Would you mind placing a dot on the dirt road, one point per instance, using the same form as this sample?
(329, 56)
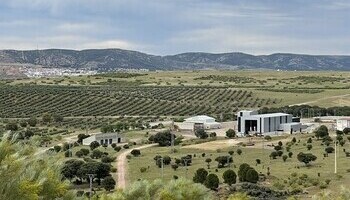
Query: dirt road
(122, 165)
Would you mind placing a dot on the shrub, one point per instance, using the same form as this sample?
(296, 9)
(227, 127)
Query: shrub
(231, 152)
(113, 145)
(267, 137)
(107, 159)
(200, 176)
(290, 154)
(126, 146)
(239, 151)
(274, 155)
(284, 157)
(252, 176)
(85, 151)
(166, 160)
(117, 148)
(306, 157)
(174, 166)
(309, 140)
(135, 152)
(212, 181)
(57, 148)
(108, 183)
(309, 147)
(201, 133)
(278, 148)
(329, 149)
(94, 145)
(230, 133)
(229, 177)
(79, 154)
(243, 168)
(143, 169)
(96, 154)
(258, 161)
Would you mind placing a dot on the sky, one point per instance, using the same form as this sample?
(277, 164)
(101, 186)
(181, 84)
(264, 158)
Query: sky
(166, 27)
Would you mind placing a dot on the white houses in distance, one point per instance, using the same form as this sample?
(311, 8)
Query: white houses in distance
(252, 122)
(104, 138)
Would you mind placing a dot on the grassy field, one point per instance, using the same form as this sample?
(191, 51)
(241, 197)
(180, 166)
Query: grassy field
(280, 171)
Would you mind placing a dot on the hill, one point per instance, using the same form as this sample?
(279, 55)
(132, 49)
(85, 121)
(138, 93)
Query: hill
(111, 59)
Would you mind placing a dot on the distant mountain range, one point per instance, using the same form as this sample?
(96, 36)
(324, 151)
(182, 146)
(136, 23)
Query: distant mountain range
(112, 59)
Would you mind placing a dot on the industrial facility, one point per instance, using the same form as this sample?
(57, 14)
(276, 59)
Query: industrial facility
(250, 122)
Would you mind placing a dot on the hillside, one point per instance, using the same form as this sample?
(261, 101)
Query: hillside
(111, 59)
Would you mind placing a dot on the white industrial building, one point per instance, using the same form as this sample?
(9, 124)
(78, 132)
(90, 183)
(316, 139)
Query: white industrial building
(104, 138)
(343, 123)
(252, 122)
(199, 122)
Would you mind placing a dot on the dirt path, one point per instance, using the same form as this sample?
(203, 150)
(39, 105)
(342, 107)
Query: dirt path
(121, 165)
(324, 98)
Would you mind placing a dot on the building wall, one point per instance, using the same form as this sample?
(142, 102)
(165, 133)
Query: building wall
(342, 123)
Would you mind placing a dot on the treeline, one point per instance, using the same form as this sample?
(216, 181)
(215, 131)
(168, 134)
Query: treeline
(309, 111)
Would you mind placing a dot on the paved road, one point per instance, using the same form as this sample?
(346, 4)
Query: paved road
(122, 165)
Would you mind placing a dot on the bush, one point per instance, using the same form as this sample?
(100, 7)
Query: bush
(274, 155)
(212, 181)
(135, 152)
(163, 138)
(126, 146)
(306, 157)
(96, 154)
(94, 145)
(117, 148)
(229, 177)
(309, 147)
(108, 183)
(243, 168)
(230, 133)
(329, 149)
(290, 154)
(267, 137)
(252, 176)
(166, 160)
(212, 135)
(200, 176)
(201, 133)
(174, 166)
(143, 169)
(85, 151)
(79, 154)
(284, 157)
(57, 148)
(113, 145)
(239, 151)
(107, 159)
(258, 161)
(277, 148)
(309, 140)
(321, 132)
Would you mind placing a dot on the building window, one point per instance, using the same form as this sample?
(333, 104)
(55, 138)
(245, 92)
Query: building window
(269, 124)
(101, 142)
(110, 141)
(106, 141)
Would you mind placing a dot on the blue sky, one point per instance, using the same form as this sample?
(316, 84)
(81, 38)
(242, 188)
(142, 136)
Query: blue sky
(173, 26)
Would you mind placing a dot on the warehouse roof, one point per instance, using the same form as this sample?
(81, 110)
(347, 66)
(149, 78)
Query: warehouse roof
(270, 115)
(201, 118)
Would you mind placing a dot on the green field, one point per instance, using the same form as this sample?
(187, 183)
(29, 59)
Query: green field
(281, 172)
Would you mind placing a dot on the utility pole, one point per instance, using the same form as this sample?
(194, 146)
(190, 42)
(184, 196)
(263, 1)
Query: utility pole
(186, 161)
(91, 176)
(162, 166)
(335, 156)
